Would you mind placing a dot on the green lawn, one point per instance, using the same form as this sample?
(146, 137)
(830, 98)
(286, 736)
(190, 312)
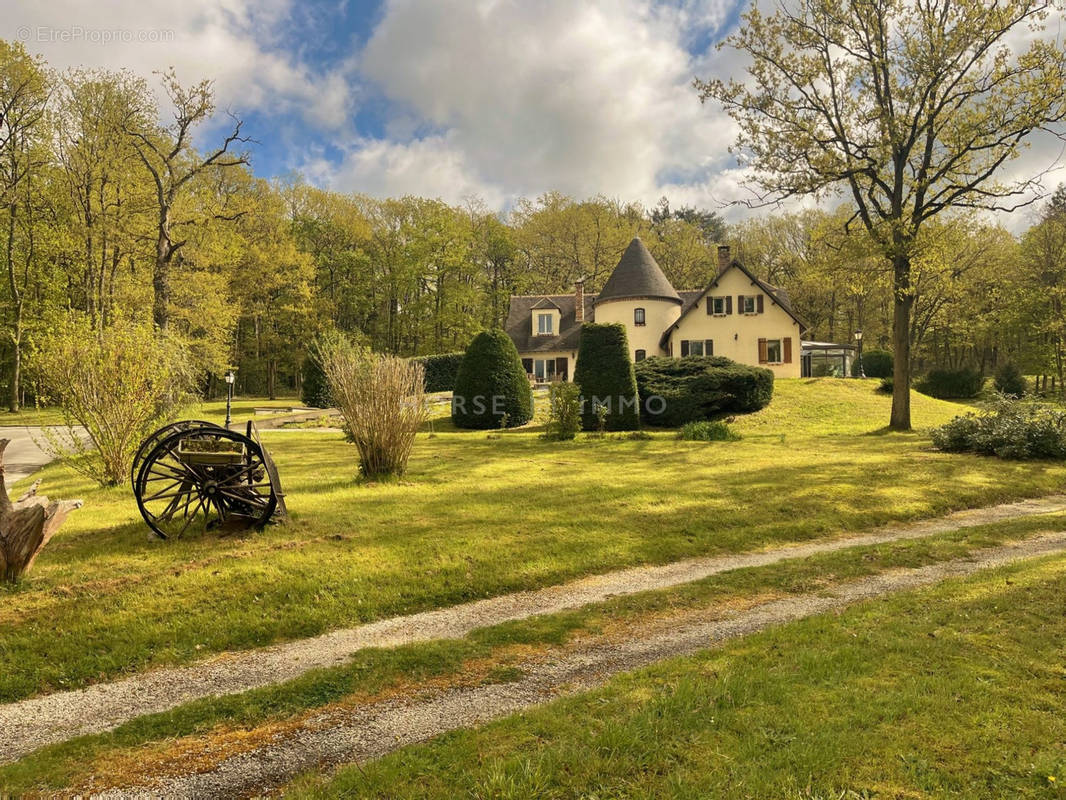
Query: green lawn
(479, 514)
(486, 655)
(953, 691)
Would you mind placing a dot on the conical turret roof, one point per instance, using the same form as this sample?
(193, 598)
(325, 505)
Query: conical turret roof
(637, 275)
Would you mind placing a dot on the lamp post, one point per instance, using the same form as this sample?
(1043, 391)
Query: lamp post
(230, 378)
(858, 341)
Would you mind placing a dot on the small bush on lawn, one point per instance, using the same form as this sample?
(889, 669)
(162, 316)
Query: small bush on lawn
(886, 385)
(1010, 381)
(441, 370)
(314, 389)
(491, 386)
(875, 364)
(1008, 428)
(564, 411)
(604, 372)
(951, 384)
(708, 431)
(383, 404)
(120, 384)
(676, 391)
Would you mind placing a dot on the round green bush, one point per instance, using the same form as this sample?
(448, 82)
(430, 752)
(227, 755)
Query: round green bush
(1010, 381)
(604, 372)
(315, 391)
(491, 387)
(676, 391)
(875, 364)
(951, 384)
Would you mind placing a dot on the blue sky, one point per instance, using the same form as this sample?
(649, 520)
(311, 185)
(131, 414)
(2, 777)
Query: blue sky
(494, 99)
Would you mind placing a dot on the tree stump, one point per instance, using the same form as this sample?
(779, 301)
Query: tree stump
(26, 525)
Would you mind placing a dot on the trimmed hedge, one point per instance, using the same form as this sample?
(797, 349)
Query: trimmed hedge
(676, 391)
(314, 390)
(441, 370)
(951, 384)
(875, 364)
(491, 387)
(604, 372)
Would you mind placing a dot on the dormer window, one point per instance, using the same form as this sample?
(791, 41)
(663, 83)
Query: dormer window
(638, 316)
(545, 326)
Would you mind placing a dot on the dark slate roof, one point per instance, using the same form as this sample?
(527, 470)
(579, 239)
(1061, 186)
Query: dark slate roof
(637, 275)
(692, 298)
(519, 325)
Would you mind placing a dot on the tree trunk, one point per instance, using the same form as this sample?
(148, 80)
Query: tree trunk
(26, 525)
(901, 345)
(161, 278)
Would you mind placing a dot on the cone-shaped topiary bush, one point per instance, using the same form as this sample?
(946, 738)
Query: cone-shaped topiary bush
(604, 372)
(491, 387)
(315, 391)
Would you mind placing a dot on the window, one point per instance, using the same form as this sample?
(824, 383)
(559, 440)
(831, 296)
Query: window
(640, 355)
(544, 325)
(718, 306)
(773, 351)
(544, 369)
(691, 347)
(747, 305)
(638, 316)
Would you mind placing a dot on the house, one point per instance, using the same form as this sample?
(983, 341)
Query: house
(737, 316)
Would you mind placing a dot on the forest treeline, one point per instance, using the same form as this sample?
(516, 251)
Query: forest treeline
(108, 211)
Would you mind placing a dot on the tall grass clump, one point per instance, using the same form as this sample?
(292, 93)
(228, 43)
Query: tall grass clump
(382, 400)
(117, 384)
(564, 412)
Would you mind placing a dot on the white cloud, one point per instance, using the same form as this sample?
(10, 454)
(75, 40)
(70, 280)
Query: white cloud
(235, 43)
(583, 98)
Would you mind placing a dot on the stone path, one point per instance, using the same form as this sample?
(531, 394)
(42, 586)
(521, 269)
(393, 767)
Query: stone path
(371, 731)
(30, 724)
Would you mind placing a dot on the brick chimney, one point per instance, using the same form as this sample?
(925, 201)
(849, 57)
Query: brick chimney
(579, 300)
(723, 257)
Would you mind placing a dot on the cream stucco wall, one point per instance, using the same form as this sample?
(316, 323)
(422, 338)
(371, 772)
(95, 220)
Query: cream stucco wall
(658, 315)
(736, 336)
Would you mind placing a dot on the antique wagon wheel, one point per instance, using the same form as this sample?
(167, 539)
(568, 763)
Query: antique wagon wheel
(158, 436)
(204, 479)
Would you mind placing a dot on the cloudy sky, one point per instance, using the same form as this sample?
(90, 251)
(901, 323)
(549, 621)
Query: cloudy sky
(448, 98)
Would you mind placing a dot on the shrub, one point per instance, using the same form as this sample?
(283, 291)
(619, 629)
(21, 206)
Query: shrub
(119, 384)
(676, 391)
(491, 385)
(383, 404)
(886, 385)
(1010, 381)
(564, 411)
(875, 364)
(707, 431)
(1008, 428)
(604, 372)
(441, 370)
(314, 390)
(951, 384)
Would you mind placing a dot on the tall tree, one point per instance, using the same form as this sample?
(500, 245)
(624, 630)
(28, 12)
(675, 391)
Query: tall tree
(23, 101)
(911, 107)
(168, 154)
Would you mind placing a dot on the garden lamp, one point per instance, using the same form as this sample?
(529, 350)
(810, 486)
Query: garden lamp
(858, 341)
(230, 378)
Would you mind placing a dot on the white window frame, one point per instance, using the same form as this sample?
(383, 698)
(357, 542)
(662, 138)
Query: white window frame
(749, 304)
(692, 343)
(718, 306)
(780, 351)
(546, 371)
(545, 315)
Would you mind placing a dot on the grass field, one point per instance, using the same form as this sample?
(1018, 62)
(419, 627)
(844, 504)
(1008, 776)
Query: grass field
(486, 655)
(954, 691)
(477, 515)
